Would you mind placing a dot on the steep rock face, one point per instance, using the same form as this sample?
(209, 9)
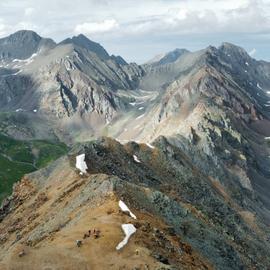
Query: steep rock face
(180, 212)
(76, 77)
(84, 83)
(14, 89)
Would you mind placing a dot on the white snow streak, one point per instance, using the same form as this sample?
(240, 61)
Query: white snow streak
(140, 116)
(136, 159)
(258, 85)
(124, 208)
(149, 145)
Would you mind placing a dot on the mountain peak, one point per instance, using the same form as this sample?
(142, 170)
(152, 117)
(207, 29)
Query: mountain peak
(22, 44)
(231, 49)
(22, 36)
(169, 57)
(84, 42)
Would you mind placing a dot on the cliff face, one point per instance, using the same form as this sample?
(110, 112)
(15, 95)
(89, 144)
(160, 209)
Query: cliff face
(75, 77)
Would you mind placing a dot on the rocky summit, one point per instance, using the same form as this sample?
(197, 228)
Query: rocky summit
(123, 166)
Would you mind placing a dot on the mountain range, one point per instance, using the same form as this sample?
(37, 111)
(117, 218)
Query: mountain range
(182, 140)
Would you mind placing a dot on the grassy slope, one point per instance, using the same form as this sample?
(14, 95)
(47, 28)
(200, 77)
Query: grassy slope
(20, 157)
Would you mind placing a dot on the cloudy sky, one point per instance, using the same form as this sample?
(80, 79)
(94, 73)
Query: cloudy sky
(140, 29)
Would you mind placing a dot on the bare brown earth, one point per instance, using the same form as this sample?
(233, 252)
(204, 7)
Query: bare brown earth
(44, 227)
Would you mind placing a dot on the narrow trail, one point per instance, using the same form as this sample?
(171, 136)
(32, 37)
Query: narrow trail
(16, 161)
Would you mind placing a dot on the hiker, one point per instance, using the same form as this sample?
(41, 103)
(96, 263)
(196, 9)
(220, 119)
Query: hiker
(78, 243)
(96, 233)
(22, 253)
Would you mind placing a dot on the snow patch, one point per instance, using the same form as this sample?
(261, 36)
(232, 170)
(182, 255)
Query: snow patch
(136, 127)
(118, 140)
(78, 57)
(151, 146)
(141, 116)
(80, 163)
(258, 85)
(124, 208)
(128, 229)
(16, 73)
(247, 64)
(136, 159)
(141, 108)
(26, 61)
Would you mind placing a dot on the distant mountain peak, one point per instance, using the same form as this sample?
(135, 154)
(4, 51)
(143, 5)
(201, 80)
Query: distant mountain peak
(25, 34)
(22, 44)
(22, 36)
(167, 58)
(84, 42)
(232, 49)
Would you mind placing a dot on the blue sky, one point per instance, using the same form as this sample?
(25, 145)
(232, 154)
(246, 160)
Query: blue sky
(140, 29)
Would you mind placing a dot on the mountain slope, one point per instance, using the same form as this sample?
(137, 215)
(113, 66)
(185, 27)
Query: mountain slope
(200, 190)
(183, 220)
(69, 84)
(222, 110)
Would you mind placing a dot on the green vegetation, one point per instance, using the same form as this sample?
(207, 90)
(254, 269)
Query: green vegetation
(20, 157)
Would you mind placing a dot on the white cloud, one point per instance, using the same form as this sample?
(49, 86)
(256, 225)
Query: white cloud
(25, 25)
(252, 52)
(2, 30)
(123, 26)
(247, 17)
(97, 27)
(29, 11)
